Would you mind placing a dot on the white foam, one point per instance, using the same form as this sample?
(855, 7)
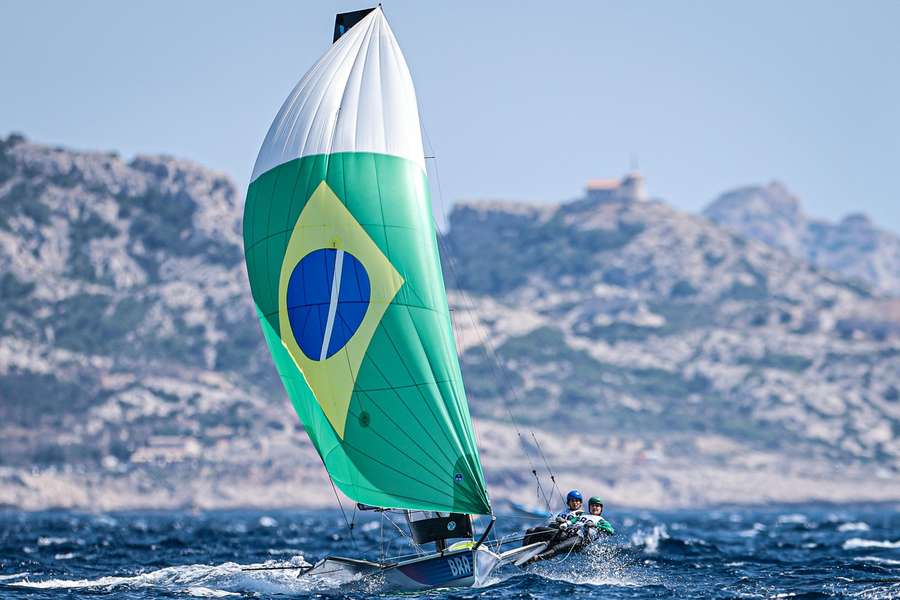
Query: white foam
(599, 565)
(857, 526)
(879, 592)
(202, 592)
(67, 584)
(753, 531)
(13, 576)
(856, 543)
(792, 519)
(51, 541)
(266, 521)
(650, 539)
(197, 580)
(877, 559)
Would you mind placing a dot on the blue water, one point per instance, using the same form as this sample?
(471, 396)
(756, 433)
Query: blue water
(796, 552)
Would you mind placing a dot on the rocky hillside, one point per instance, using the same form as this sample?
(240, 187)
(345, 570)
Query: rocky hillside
(652, 351)
(633, 317)
(128, 347)
(854, 247)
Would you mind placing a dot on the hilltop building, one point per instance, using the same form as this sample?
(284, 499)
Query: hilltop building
(630, 187)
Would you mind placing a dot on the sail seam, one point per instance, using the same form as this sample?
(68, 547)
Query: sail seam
(424, 399)
(417, 480)
(405, 405)
(437, 476)
(414, 441)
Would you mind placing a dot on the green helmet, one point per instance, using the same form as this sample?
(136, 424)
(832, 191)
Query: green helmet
(595, 500)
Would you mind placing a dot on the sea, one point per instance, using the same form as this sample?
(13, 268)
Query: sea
(773, 552)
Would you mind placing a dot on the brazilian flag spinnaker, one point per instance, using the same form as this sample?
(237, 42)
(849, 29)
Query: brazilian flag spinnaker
(344, 270)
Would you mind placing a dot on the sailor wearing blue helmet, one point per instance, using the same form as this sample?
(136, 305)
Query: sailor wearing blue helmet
(574, 502)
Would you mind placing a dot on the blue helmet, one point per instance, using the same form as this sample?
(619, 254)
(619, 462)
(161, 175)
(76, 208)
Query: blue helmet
(574, 495)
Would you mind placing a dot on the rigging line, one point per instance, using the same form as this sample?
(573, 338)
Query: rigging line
(549, 469)
(404, 534)
(382, 536)
(468, 307)
(343, 512)
(496, 367)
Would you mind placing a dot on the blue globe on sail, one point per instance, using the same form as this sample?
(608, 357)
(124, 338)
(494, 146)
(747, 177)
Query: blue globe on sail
(327, 298)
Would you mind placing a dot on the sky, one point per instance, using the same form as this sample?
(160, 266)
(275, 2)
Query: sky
(519, 100)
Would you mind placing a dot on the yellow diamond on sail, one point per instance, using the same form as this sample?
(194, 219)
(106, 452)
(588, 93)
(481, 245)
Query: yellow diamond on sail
(334, 288)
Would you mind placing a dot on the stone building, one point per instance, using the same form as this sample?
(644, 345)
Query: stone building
(630, 187)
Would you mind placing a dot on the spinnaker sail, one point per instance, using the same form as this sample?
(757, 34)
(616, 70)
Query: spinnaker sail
(344, 270)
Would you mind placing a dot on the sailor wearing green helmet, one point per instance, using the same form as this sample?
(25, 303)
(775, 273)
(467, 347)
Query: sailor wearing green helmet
(593, 524)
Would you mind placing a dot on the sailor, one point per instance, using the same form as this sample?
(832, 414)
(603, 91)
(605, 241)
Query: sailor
(557, 524)
(574, 502)
(593, 525)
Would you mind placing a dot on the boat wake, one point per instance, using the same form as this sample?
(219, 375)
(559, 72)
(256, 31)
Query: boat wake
(201, 581)
(602, 565)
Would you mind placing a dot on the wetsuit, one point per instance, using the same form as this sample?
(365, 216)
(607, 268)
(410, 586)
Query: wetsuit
(556, 527)
(564, 515)
(590, 527)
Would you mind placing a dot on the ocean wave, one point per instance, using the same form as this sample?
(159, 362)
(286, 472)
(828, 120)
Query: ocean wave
(13, 576)
(854, 526)
(202, 592)
(753, 531)
(267, 521)
(878, 559)
(792, 519)
(600, 565)
(52, 541)
(879, 592)
(281, 551)
(650, 539)
(856, 543)
(207, 580)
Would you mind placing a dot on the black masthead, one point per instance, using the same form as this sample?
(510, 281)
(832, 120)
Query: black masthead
(344, 21)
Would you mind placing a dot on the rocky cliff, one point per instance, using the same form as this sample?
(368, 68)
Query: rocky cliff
(854, 247)
(650, 350)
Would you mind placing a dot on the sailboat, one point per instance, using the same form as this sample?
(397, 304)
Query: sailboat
(344, 271)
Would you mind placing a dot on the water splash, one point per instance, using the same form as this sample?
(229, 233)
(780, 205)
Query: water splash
(650, 540)
(198, 580)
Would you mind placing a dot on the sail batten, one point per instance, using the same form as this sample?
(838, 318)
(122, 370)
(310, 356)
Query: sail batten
(342, 258)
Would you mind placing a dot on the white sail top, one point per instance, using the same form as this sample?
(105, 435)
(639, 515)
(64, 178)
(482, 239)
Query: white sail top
(359, 97)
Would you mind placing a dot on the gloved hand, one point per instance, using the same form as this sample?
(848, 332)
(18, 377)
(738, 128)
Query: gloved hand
(606, 528)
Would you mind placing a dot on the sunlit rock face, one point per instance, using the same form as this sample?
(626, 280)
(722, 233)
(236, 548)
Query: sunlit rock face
(854, 247)
(644, 345)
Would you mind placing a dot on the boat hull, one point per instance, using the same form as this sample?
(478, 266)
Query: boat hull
(460, 568)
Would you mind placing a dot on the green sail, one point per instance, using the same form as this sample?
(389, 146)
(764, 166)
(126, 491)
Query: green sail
(344, 270)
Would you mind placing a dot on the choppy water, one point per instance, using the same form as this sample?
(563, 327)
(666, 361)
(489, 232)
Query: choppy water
(808, 552)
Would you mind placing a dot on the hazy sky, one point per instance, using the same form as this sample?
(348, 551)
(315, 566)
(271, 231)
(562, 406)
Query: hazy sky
(519, 100)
